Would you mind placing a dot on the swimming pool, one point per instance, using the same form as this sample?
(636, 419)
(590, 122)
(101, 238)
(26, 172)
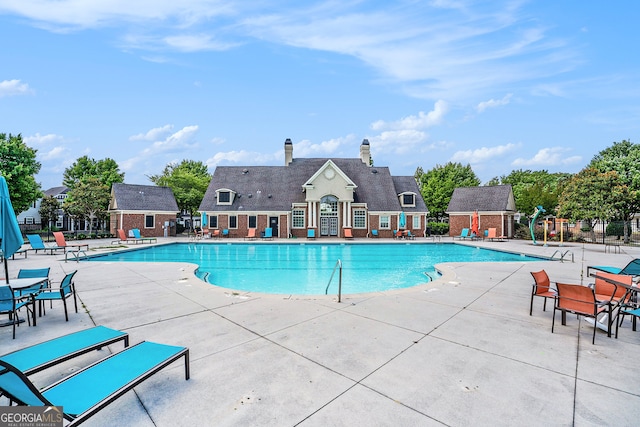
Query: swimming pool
(305, 269)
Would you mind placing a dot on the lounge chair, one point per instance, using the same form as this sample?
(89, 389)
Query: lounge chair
(122, 236)
(138, 236)
(41, 356)
(410, 236)
(348, 234)
(251, 234)
(464, 234)
(61, 242)
(311, 233)
(631, 269)
(268, 233)
(492, 234)
(374, 233)
(215, 234)
(38, 245)
(225, 232)
(85, 392)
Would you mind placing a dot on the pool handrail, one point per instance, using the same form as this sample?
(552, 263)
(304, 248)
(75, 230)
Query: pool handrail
(338, 266)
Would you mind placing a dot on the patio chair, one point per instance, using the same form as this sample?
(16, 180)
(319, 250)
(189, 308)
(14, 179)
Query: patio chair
(268, 233)
(38, 245)
(138, 236)
(631, 269)
(87, 391)
(225, 232)
(579, 300)
(28, 273)
(41, 356)
(633, 312)
(374, 233)
(410, 236)
(66, 290)
(62, 243)
(464, 234)
(122, 238)
(311, 233)
(10, 305)
(348, 234)
(251, 234)
(215, 234)
(541, 288)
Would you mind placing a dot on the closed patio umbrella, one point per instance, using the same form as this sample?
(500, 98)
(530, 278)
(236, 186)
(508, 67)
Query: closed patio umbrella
(204, 219)
(474, 224)
(10, 235)
(403, 220)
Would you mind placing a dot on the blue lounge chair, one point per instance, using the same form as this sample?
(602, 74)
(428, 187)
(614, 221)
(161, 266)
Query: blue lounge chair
(41, 356)
(374, 233)
(311, 233)
(464, 234)
(225, 232)
(87, 391)
(38, 245)
(139, 238)
(268, 233)
(410, 236)
(631, 269)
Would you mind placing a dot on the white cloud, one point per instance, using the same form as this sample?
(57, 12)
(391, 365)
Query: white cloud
(554, 156)
(403, 142)
(306, 148)
(196, 43)
(55, 153)
(421, 121)
(38, 139)
(13, 87)
(483, 154)
(233, 157)
(493, 103)
(153, 134)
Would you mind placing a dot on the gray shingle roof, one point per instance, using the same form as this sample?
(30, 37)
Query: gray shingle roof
(148, 198)
(493, 198)
(254, 184)
(54, 191)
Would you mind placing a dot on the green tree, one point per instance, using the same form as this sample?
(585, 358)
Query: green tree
(438, 185)
(533, 188)
(19, 166)
(591, 196)
(89, 200)
(188, 180)
(623, 158)
(106, 170)
(48, 211)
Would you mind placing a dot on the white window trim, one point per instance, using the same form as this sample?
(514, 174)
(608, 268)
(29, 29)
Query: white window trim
(145, 221)
(364, 216)
(230, 227)
(407, 193)
(232, 195)
(388, 217)
(416, 222)
(303, 216)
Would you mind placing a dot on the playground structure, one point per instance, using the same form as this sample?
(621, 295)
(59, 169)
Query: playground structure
(538, 210)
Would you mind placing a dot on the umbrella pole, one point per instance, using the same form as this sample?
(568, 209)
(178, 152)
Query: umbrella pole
(6, 270)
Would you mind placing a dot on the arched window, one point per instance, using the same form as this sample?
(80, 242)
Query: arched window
(329, 206)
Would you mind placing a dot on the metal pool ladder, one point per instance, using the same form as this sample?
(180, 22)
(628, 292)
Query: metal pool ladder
(338, 266)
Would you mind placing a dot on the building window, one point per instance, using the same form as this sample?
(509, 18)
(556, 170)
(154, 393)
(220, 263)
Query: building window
(28, 220)
(149, 221)
(233, 221)
(384, 222)
(408, 199)
(213, 221)
(298, 218)
(416, 222)
(253, 221)
(225, 197)
(359, 218)
(59, 221)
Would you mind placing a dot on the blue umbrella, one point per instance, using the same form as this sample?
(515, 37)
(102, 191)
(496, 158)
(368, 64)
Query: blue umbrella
(10, 235)
(403, 220)
(204, 219)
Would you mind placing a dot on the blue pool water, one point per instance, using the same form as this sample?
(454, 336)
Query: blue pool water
(305, 269)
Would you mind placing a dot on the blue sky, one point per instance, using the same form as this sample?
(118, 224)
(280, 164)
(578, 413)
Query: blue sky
(500, 85)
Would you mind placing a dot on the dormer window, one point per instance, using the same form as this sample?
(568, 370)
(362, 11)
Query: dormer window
(225, 197)
(408, 199)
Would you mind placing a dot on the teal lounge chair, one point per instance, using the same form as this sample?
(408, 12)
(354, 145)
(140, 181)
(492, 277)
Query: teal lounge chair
(138, 236)
(311, 233)
(268, 233)
(87, 391)
(41, 356)
(225, 232)
(38, 245)
(631, 269)
(464, 234)
(374, 233)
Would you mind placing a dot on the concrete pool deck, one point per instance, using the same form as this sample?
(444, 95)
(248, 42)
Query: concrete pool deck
(462, 350)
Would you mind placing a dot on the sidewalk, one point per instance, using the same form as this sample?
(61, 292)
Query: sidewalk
(462, 350)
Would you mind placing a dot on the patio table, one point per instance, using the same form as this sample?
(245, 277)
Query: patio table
(21, 284)
(630, 290)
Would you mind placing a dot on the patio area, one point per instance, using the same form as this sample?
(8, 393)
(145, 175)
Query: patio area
(461, 350)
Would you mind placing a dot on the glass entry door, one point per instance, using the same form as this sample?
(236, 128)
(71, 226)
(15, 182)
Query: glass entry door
(328, 226)
(329, 216)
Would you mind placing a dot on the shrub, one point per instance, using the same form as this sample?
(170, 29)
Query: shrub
(438, 228)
